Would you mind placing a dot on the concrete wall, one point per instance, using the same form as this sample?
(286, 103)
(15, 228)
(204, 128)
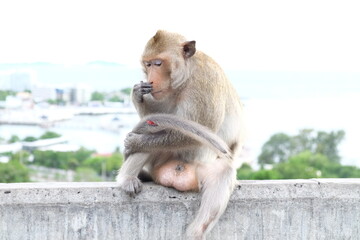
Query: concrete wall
(292, 209)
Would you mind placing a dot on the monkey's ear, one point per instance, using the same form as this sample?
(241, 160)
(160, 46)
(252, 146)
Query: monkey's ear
(189, 49)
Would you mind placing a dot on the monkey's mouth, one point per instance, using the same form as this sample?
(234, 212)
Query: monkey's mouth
(157, 91)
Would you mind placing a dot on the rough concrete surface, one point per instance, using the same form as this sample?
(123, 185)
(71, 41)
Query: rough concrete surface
(283, 209)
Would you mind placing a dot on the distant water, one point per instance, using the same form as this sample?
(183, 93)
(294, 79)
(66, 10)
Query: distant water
(265, 117)
(93, 132)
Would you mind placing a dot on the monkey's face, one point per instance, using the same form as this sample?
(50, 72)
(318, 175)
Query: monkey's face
(164, 62)
(157, 71)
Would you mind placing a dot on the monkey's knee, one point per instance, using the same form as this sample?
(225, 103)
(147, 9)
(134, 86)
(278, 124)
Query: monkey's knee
(177, 174)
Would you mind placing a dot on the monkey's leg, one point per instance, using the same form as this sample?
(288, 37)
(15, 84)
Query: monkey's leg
(127, 176)
(218, 180)
(145, 176)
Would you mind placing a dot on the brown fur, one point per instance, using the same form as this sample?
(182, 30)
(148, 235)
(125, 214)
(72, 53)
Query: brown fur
(190, 85)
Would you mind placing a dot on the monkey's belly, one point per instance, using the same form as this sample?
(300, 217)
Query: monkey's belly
(177, 174)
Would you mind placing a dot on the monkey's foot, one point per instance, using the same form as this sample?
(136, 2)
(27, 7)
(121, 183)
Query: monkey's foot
(131, 185)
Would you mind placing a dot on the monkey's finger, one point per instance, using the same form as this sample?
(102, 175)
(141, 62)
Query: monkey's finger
(146, 91)
(146, 85)
(133, 186)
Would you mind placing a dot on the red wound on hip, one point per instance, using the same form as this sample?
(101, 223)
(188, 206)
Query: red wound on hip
(151, 123)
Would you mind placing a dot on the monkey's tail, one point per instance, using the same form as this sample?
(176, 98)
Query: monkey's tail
(194, 130)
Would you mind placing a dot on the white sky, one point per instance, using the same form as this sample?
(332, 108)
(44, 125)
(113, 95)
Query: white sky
(307, 35)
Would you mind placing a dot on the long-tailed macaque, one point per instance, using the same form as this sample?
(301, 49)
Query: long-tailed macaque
(187, 84)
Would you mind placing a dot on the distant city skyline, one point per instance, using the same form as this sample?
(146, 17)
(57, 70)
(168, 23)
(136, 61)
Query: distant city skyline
(105, 76)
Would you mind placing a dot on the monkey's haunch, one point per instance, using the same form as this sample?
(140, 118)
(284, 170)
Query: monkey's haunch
(178, 175)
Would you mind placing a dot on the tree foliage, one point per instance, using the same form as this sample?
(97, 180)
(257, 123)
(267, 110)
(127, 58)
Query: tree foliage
(308, 154)
(49, 134)
(280, 147)
(105, 165)
(97, 96)
(126, 91)
(115, 99)
(61, 160)
(84, 174)
(4, 94)
(14, 139)
(81, 161)
(301, 166)
(13, 171)
(30, 139)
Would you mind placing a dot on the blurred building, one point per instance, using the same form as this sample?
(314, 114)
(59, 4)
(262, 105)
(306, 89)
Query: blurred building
(80, 94)
(5, 80)
(43, 92)
(17, 80)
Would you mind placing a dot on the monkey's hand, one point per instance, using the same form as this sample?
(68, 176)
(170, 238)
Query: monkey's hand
(132, 143)
(130, 184)
(141, 89)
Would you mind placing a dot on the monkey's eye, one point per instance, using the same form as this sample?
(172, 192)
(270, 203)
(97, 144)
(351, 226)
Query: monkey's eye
(157, 62)
(147, 64)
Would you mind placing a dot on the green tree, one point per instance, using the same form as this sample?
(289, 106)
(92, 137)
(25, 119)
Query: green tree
(61, 160)
(13, 171)
(84, 174)
(348, 172)
(49, 134)
(244, 172)
(105, 165)
(20, 156)
(30, 139)
(4, 94)
(277, 149)
(56, 102)
(115, 99)
(97, 96)
(304, 141)
(326, 143)
(126, 91)
(263, 174)
(280, 147)
(302, 165)
(14, 139)
(82, 154)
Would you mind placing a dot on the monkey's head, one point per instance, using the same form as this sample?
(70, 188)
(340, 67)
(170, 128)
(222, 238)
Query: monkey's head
(166, 62)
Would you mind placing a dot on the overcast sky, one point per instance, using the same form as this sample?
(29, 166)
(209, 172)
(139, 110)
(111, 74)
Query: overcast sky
(285, 35)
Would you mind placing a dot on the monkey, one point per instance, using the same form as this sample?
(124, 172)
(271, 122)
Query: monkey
(183, 173)
(188, 84)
